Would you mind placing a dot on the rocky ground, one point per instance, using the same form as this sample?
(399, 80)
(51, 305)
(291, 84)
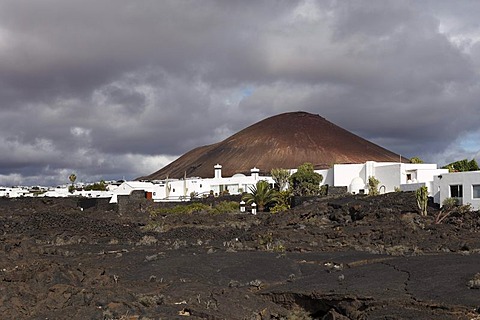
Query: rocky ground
(353, 257)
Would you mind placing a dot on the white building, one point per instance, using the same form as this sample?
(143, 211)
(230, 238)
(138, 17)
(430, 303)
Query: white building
(392, 175)
(13, 192)
(463, 186)
(185, 189)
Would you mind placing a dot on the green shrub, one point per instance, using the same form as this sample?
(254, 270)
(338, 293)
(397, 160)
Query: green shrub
(373, 186)
(305, 182)
(181, 209)
(283, 203)
(449, 203)
(225, 207)
(196, 207)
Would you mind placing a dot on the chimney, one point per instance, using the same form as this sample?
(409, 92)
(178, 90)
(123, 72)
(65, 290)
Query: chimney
(218, 171)
(254, 171)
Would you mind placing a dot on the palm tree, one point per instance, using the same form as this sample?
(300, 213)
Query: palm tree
(262, 194)
(72, 179)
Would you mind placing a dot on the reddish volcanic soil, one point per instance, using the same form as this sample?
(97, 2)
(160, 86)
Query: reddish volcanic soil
(283, 141)
(353, 257)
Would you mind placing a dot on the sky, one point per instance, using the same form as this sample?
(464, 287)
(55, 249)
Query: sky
(117, 89)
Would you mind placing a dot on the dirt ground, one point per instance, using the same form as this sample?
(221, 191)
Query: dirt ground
(352, 257)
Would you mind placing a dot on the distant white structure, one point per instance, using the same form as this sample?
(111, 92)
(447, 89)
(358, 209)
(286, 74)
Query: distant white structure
(463, 186)
(13, 192)
(187, 188)
(392, 176)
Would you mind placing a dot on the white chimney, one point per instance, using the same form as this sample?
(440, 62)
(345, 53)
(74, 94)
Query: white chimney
(218, 171)
(255, 171)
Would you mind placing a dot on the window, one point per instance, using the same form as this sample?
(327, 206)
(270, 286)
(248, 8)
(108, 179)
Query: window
(476, 191)
(456, 191)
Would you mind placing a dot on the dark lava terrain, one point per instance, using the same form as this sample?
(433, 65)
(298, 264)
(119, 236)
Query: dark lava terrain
(353, 257)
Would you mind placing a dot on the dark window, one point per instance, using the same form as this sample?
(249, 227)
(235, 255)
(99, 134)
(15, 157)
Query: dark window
(456, 191)
(476, 191)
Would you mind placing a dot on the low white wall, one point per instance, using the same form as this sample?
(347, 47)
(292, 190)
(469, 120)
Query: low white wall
(412, 186)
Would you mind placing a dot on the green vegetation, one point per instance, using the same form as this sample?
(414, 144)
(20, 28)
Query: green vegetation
(422, 199)
(462, 165)
(373, 186)
(449, 203)
(305, 182)
(280, 176)
(225, 207)
(283, 203)
(416, 160)
(262, 194)
(97, 186)
(197, 207)
(72, 179)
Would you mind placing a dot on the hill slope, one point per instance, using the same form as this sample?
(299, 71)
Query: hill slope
(283, 141)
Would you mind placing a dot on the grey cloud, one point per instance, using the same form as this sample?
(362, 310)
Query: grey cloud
(121, 88)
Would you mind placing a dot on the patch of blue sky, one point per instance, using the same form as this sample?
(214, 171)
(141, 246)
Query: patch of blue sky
(239, 95)
(247, 92)
(471, 142)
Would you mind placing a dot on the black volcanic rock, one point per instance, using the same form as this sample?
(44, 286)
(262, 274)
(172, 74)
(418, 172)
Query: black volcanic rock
(283, 141)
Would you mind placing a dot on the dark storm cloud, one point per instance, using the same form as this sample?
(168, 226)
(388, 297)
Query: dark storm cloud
(116, 89)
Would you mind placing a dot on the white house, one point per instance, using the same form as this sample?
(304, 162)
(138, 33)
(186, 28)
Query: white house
(463, 186)
(127, 187)
(392, 175)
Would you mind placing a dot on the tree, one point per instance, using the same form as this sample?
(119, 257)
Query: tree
(72, 179)
(416, 160)
(462, 165)
(305, 182)
(280, 176)
(262, 194)
(98, 186)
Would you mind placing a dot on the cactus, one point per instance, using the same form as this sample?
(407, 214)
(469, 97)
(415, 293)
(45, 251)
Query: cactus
(422, 198)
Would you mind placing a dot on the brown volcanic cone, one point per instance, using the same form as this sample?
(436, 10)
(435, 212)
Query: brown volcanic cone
(283, 141)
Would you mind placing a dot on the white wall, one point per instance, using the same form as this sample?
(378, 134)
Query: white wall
(412, 186)
(328, 176)
(389, 176)
(343, 174)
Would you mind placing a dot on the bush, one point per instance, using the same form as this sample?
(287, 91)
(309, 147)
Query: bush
(181, 209)
(449, 203)
(196, 207)
(283, 203)
(305, 182)
(225, 207)
(373, 186)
